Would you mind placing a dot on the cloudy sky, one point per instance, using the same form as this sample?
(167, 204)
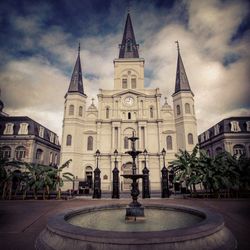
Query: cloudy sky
(39, 40)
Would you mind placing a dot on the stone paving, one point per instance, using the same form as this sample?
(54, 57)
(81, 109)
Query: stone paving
(22, 221)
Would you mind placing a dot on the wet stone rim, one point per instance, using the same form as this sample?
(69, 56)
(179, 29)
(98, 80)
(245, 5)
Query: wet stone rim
(212, 223)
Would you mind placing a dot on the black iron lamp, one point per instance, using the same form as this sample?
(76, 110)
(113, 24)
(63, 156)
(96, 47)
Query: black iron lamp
(116, 191)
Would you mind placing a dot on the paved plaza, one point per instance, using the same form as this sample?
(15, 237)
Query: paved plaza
(22, 221)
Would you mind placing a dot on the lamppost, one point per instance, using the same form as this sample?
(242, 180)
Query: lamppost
(116, 191)
(145, 180)
(164, 179)
(97, 180)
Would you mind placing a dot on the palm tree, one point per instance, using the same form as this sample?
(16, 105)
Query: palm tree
(186, 168)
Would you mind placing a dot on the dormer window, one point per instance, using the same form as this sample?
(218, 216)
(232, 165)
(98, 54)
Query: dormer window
(235, 126)
(56, 140)
(23, 130)
(207, 135)
(216, 129)
(51, 137)
(9, 129)
(41, 131)
(248, 126)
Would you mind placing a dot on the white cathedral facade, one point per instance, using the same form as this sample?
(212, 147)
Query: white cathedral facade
(128, 107)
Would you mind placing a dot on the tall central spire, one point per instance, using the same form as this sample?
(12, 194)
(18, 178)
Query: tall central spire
(181, 82)
(128, 47)
(76, 84)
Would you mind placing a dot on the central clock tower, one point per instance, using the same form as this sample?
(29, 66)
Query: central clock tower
(129, 68)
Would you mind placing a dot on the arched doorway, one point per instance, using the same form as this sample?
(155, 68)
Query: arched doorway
(89, 176)
(126, 169)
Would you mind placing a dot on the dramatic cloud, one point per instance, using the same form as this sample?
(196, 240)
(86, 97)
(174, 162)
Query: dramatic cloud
(40, 49)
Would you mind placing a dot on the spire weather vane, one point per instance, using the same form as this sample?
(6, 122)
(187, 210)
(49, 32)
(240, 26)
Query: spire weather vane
(178, 46)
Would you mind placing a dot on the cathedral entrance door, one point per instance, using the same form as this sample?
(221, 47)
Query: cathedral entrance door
(126, 169)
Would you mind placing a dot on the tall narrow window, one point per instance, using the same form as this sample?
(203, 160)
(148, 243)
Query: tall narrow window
(107, 113)
(151, 112)
(80, 111)
(169, 142)
(50, 158)
(116, 137)
(129, 115)
(71, 109)
(143, 137)
(190, 139)
(56, 159)
(133, 83)
(39, 154)
(124, 83)
(187, 108)
(5, 152)
(125, 142)
(69, 140)
(20, 152)
(90, 143)
(178, 110)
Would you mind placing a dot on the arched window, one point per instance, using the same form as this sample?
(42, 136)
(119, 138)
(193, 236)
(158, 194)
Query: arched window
(107, 113)
(5, 152)
(80, 111)
(124, 83)
(208, 152)
(71, 109)
(151, 112)
(39, 154)
(218, 150)
(178, 110)
(169, 142)
(239, 150)
(129, 115)
(125, 142)
(90, 143)
(187, 108)
(69, 140)
(50, 158)
(133, 83)
(56, 159)
(190, 139)
(20, 152)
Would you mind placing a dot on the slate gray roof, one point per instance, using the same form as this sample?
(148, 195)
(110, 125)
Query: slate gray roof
(181, 82)
(128, 47)
(33, 128)
(76, 83)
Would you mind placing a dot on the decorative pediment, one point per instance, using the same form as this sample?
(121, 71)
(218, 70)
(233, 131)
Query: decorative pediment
(129, 91)
(90, 132)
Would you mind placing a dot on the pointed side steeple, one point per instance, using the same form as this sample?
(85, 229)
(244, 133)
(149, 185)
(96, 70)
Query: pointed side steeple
(76, 84)
(128, 47)
(181, 82)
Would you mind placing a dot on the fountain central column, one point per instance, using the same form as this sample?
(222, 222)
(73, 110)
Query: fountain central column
(134, 211)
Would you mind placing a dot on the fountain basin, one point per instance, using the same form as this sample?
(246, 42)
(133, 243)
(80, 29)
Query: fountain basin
(206, 232)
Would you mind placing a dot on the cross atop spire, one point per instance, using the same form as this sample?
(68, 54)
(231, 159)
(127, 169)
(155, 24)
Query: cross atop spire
(76, 84)
(128, 47)
(181, 82)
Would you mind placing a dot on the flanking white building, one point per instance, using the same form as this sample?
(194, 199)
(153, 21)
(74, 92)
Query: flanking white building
(128, 107)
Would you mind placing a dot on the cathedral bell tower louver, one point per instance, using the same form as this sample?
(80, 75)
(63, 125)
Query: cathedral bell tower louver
(183, 98)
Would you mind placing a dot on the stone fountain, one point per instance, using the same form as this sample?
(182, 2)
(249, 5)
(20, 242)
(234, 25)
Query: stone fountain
(134, 211)
(165, 227)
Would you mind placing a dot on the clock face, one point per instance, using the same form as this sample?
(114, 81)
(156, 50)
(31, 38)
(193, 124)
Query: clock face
(129, 100)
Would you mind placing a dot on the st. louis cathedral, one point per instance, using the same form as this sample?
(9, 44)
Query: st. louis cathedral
(128, 107)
